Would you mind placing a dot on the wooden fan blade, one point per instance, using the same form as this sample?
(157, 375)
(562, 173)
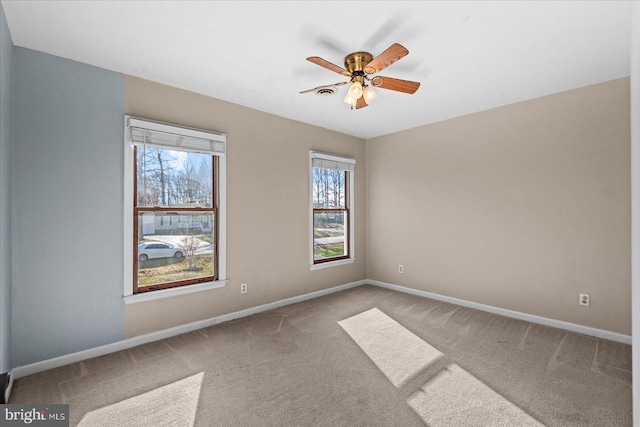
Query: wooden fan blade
(361, 103)
(328, 65)
(320, 87)
(406, 86)
(386, 58)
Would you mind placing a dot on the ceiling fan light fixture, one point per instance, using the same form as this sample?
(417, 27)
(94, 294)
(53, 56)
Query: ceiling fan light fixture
(355, 91)
(358, 66)
(350, 100)
(369, 94)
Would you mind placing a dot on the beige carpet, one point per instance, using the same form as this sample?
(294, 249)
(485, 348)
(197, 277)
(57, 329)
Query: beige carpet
(452, 398)
(297, 366)
(396, 351)
(457, 398)
(171, 405)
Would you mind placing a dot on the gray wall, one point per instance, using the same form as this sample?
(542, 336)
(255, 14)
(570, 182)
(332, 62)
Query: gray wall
(6, 47)
(67, 206)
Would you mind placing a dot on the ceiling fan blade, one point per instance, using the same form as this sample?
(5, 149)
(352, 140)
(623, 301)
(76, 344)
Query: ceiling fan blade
(386, 58)
(320, 87)
(406, 86)
(328, 65)
(361, 103)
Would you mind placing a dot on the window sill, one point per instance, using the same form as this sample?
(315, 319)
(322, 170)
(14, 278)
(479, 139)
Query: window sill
(171, 292)
(331, 264)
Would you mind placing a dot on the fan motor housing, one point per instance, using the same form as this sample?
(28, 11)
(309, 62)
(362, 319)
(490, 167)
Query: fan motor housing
(357, 61)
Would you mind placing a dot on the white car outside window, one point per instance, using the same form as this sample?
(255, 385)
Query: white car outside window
(158, 250)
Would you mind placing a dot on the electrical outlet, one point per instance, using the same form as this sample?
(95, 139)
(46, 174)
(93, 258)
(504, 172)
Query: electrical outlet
(243, 288)
(400, 269)
(584, 299)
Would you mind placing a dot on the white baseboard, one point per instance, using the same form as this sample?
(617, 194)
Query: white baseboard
(586, 330)
(34, 368)
(7, 392)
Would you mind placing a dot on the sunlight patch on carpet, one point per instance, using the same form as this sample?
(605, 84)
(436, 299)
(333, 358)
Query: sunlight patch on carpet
(172, 405)
(395, 350)
(455, 398)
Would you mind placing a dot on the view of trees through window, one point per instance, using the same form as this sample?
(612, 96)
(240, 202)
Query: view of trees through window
(173, 178)
(175, 218)
(329, 214)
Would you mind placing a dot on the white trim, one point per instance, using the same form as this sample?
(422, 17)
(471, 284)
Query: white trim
(352, 209)
(222, 218)
(7, 392)
(169, 128)
(310, 229)
(172, 292)
(345, 165)
(352, 214)
(127, 229)
(585, 330)
(34, 368)
(128, 295)
(635, 207)
(332, 157)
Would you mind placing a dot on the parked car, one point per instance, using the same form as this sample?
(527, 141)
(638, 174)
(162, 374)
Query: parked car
(152, 250)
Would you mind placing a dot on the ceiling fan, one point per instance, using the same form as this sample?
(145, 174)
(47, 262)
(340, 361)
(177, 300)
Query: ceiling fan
(358, 67)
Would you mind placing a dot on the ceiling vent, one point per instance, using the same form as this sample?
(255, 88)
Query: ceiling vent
(325, 91)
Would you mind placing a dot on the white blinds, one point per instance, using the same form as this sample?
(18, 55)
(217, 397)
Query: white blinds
(160, 135)
(344, 165)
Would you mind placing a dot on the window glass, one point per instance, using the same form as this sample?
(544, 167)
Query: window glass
(329, 188)
(329, 237)
(182, 252)
(174, 247)
(172, 178)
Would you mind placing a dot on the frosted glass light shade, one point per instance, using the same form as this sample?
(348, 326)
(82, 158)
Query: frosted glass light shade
(369, 94)
(355, 91)
(349, 100)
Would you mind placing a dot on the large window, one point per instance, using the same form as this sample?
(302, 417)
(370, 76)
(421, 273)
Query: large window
(331, 208)
(176, 238)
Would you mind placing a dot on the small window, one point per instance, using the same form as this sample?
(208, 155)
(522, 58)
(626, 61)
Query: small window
(176, 205)
(331, 208)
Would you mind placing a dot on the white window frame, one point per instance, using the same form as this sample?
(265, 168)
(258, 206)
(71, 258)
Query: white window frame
(351, 204)
(220, 140)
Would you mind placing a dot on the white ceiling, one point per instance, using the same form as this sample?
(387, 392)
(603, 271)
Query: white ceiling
(469, 56)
